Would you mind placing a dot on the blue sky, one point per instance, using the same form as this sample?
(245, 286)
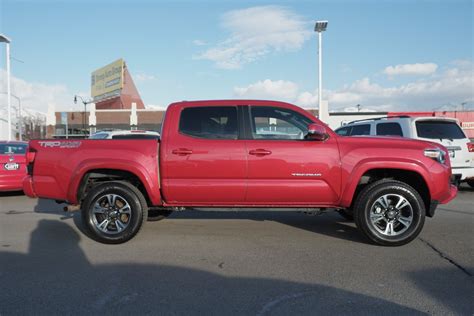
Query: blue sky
(185, 50)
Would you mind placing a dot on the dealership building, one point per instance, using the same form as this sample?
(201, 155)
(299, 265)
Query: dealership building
(116, 104)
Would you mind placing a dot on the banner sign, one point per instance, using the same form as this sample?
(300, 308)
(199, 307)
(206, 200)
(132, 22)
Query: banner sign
(107, 82)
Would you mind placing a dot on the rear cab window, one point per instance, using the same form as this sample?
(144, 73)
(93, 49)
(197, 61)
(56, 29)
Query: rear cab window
(212, 122)
(389, 129)
(438, 129)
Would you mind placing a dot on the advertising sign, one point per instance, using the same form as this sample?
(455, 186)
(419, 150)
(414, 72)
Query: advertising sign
(107, 82)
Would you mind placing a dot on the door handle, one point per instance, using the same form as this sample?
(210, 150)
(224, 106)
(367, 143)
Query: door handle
(260, 152)
(182, 152)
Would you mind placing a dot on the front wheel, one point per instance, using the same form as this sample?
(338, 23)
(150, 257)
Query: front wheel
(389, 212)
(113, 212)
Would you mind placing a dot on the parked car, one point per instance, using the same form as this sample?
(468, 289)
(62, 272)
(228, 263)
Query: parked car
(124, 134)
(211, 154)
(442, 130)
(12, 165)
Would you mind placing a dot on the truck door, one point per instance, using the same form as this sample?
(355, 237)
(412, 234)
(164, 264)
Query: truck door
(204, 160)
(283, 167)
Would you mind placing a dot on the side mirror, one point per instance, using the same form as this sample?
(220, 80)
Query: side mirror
(317, 132)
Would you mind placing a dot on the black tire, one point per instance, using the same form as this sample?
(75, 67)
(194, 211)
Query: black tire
(347, 214)
(158, 214)
(126, 197)
(470, 182)
(370, 215)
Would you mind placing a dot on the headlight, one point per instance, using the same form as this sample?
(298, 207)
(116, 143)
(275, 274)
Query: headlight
(436, 154)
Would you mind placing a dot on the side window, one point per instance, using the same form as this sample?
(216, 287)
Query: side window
(344, 131)
(213, 122)
(277, 123)
(362, 129)
(389, 129)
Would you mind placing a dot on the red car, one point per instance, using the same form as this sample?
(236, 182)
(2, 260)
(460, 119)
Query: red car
(13, 166)
(244, 153)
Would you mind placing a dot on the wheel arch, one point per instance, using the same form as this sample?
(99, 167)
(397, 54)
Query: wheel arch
(85, 178)
(414, 177)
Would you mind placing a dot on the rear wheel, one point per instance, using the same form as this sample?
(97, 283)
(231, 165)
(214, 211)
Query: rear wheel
(389, 212)
(114, 212)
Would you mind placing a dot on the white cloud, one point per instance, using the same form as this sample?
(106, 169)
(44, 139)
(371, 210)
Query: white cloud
(411, 69)
(256, 32)
(452, 86)
(36, 96)
(198, 42)
(141, 77)
(268, 89)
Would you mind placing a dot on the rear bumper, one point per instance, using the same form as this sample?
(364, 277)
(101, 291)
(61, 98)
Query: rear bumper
(463, 172)
(28, 187)
(11, 183)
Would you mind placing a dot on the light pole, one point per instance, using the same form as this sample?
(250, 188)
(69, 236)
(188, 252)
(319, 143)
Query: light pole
(320, 27)
(20, 123)
(6, 40)
(85, 109)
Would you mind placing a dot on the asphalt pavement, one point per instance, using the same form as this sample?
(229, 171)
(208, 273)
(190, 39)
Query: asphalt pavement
(237, 262)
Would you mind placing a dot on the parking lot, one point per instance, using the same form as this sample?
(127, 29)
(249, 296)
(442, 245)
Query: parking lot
(248, 262)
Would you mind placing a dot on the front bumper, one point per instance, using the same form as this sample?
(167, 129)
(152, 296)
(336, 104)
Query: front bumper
(451, 194)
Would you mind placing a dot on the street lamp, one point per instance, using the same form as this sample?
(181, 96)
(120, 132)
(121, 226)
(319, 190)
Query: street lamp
(6, 40)
(320, 27)
(20, 123)
(85, 109)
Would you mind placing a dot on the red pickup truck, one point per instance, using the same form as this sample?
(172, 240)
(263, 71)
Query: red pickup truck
(244, 153)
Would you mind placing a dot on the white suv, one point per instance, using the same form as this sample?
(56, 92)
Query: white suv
(442, 130)
(123, 134)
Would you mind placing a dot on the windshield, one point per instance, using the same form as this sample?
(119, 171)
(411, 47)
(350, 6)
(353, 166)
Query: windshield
(12, 149)
(439, 130)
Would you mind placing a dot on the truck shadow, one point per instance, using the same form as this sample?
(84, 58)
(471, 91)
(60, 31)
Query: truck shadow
(55, 275)
(329, 224)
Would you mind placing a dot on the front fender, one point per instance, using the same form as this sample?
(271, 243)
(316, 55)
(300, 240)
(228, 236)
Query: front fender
(363, 166)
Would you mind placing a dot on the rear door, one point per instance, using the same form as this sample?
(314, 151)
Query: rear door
(283, 167)
(204, 159)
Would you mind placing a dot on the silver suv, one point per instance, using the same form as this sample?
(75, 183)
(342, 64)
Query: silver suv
(442, 130)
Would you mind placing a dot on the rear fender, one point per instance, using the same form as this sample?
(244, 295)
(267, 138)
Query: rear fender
(149, 180)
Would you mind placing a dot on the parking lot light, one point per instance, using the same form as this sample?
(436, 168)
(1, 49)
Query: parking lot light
(320, 27)
(6, 40)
